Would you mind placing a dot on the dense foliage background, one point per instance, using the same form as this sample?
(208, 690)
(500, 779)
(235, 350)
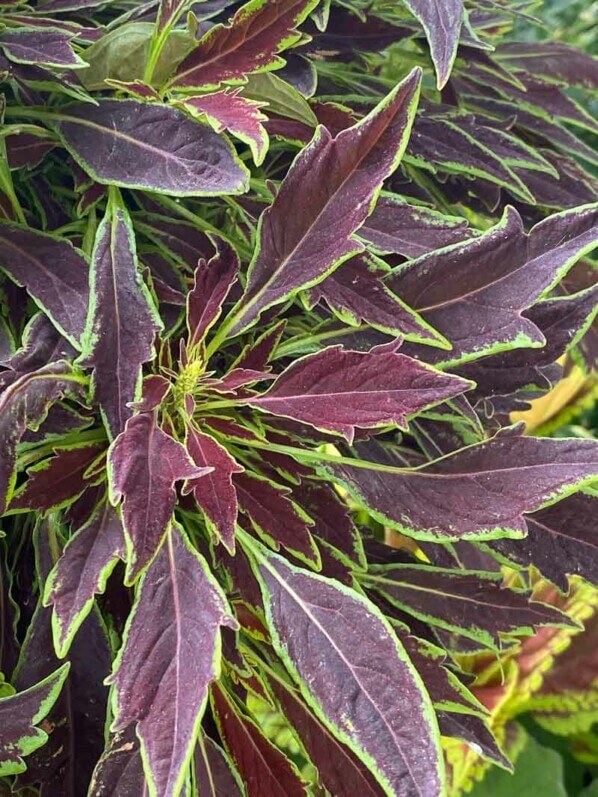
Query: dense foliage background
(298, 457)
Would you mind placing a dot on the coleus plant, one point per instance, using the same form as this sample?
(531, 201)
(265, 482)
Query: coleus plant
(274, 277)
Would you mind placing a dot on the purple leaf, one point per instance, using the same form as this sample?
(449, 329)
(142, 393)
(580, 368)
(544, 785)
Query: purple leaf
(441, 21)
(474, 605)
(561, 540)
(474, 732)
(229, 110)
(395, 226)
(339, 771)
(25, 150)
(275, 516)
(45, 47)
(354, 674)
(82, 572)
(122, 321)
(479, 492)
(150, 146)
(54, 273)
(337, 390)
(518, 269)
(56, 481)
(120, 769)
(551, 60)
(214, 772)
(23, 404)
(19, 716)
(265, 771)
(251, 42)
(143, 465)
(214, 492)
(213, 281)
(332, 520)
(170, 653)
(325, 197)
(357, 293)
(562, 321)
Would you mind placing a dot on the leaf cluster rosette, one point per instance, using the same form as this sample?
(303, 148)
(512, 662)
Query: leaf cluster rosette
(274, 275)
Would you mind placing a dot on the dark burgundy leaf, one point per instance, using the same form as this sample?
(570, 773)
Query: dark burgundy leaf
(214, 772)
(474, 605)
(441, 21)
(83, 570)
(337, 390)
(251, 42)
(42, 46)
(474, 731)
(23, 404)
(56, 481)
(25, 150)
(480, 492)
(213, 281)
(265, 771)
(122, 321)
(214, 492)
(144, 464)
(339, 771)
(395, 226)
(242, 117)
(518, 269)
(274, 515)
(54, 273)
(357, 293)
(168, 658)
(561, 540)
(120, 769)
(354, 674)
(19, 716)
(325, 197)
(151, 146)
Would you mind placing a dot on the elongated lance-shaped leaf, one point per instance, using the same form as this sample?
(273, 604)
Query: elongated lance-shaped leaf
(517, 269)
(122, 322)
(20, 714)
(49, 47)
(562, 540)
(337, 390)
(120, 769)
(143, 465)
(170, 653)
(339, 770)
(229, 110)
(325, 197)
(440, 142)
(150, 146)
(471, 604)
(213, 281)
(215, 774)
(266, 772)
(275, 516)
(54, 273)
(441, 21)
(551, 60)
(481, 492)
(82, 572)
(395, 226)
(56, 481)
(354, 673)
(356, 292)
(251, 42)
(475, 732)
(214, 492)
(23, 404)
(563, 322)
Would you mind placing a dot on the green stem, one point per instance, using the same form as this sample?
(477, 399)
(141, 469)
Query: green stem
(320, 456)
(298, 343)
